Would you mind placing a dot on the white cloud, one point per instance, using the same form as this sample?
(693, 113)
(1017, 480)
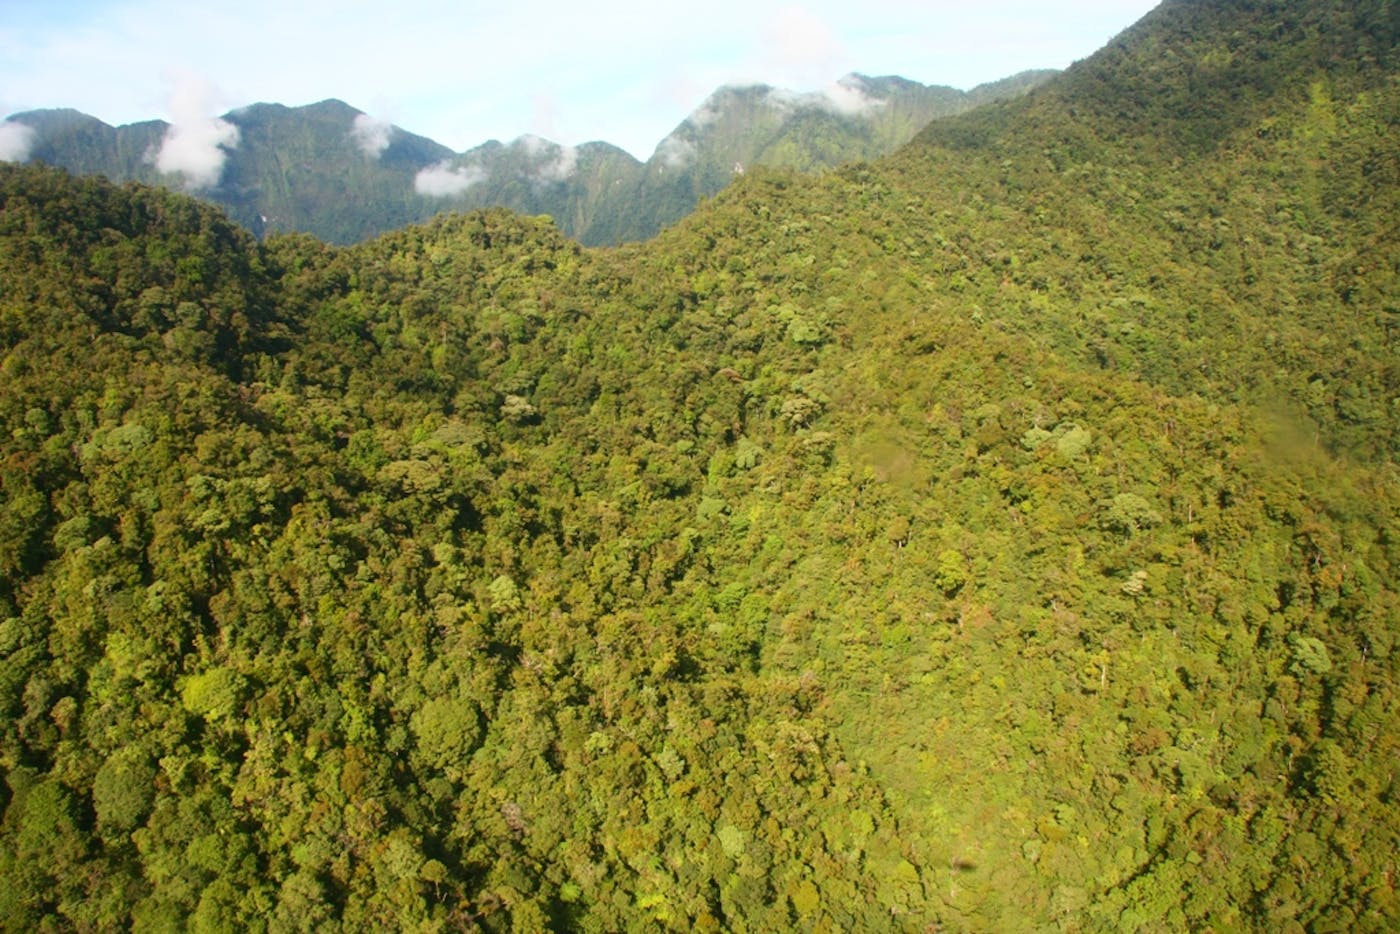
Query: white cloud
(675, 153)
(559, 162)
(444, 181)
(16, 140)
(849, 97)
(784, 99)
(196, 143)
(711, 109)
(533, 145)
(562, 166)
(371, 134)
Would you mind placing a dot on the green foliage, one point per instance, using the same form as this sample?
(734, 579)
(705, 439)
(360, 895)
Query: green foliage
(1034, 594)
(447, 730)
(213, 694)
(1310, 655)
(951, 573)
(1128, 513)
(122, 790)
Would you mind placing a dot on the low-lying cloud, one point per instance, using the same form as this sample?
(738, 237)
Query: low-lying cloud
(16, 141)
(196, 145)
(556, 162)
(446, 181)
(711, 110)
(372, 135)
(847, 97)
(850, 97)
(675, 152)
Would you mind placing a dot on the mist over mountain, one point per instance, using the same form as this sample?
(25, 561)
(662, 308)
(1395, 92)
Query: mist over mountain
(998, 535)
(332, 171)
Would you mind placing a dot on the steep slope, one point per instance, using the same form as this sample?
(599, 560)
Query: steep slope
(1229, 233)
(841, 559)
(857, 118)
(86, 146)
(329, 170)
(1258, 269)
(315, 168)
(242, 497)
(585, 188)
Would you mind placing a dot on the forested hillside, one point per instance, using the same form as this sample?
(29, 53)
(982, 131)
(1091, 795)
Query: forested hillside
(1001, 536)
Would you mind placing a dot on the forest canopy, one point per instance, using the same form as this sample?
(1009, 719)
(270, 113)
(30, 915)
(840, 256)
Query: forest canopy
(998, 536)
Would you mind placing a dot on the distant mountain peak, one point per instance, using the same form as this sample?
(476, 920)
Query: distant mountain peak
(343, 174)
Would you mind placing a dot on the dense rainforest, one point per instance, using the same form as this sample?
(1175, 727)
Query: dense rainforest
(998, 536)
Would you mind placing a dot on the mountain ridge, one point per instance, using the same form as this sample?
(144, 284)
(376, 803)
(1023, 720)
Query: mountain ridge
(318, 184)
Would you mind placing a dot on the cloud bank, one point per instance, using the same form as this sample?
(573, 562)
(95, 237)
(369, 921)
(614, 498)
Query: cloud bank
(371, 135)
(444, 181)
(16, 141)
(196, 144)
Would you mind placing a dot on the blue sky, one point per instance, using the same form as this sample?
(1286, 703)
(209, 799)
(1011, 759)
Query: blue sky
(465, 72)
